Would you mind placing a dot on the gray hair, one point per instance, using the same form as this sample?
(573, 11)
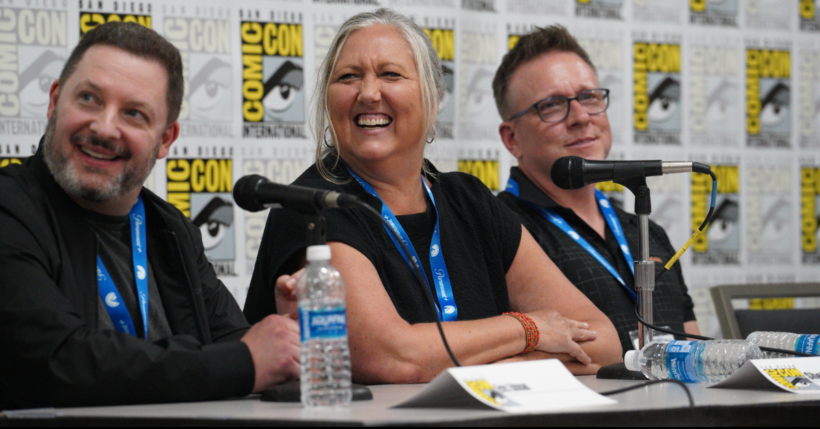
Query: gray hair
(427, 64)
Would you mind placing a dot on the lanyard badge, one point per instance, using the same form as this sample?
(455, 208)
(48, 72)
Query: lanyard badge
(447, 309)
(611, 220)
(108, 290)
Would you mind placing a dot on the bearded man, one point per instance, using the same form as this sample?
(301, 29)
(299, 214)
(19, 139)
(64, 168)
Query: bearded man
(106, 296)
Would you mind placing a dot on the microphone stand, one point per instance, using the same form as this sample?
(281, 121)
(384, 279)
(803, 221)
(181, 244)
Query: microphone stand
(644, 268)
(291, 391)
(316, 229)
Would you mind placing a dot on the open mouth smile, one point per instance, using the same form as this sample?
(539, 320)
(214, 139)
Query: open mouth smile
(371, 121)
(97, 155)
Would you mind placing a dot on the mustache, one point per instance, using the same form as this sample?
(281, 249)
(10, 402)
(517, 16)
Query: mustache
(104, 144)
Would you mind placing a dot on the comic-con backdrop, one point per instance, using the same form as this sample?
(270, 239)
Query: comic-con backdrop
(704, 80)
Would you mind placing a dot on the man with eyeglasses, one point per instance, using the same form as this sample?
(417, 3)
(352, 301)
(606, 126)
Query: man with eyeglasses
(547, 92)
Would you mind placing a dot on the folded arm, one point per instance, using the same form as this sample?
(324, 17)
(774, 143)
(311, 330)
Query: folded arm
(691, 327)
(386, 349)
(536, 283)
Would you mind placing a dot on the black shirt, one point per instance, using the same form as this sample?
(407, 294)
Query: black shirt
(672, 304)
(479, 238)
(419, 228)
(114, 234)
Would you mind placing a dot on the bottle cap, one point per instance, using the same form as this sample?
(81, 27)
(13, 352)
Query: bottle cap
(318, 253)
(631, 361)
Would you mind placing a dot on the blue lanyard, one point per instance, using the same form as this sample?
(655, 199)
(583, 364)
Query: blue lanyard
(444, 290)
(108, 290)
(611, 220)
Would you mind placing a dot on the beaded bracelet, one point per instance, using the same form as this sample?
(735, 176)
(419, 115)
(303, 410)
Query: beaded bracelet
(530, 329)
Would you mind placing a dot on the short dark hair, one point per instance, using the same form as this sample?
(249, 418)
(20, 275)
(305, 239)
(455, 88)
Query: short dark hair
(142, 42)
(534, 44)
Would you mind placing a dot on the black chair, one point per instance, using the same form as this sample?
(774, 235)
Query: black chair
(741, 323)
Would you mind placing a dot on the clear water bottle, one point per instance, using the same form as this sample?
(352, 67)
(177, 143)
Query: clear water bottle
(809, 344)
(692, 361)
(325, 378)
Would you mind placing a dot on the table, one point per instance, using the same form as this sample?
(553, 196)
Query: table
(664, 404)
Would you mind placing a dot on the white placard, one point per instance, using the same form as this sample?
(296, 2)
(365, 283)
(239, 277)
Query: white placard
(795, 375)
(520, 388)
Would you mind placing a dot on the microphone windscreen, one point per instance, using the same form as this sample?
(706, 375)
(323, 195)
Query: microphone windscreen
(244, 192)
(568, 172)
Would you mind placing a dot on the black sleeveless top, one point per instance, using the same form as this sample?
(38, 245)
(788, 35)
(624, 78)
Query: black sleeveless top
(479, 237)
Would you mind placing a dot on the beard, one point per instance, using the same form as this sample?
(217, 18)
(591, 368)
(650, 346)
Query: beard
(89, 183)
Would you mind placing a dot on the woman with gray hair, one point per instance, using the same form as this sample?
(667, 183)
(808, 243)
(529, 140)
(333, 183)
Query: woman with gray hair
(376, 102)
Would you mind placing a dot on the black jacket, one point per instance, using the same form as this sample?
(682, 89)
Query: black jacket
(52, 354)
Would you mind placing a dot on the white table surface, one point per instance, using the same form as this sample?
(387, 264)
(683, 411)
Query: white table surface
(378, 411)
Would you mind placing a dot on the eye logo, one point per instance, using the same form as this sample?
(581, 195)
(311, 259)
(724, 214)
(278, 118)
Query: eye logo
(140, 272)
(604, 203)
(111, 300)
(434, 251)
(768, 89)
(214, 222)
(449, 309)
(574, 235)
(209, 89)
(657, 92)
(625, 249)
(273, 80)
(34, 82)
(282, 90)
(201, 189)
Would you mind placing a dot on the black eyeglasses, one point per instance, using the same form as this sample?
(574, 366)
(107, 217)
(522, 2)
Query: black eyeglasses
(556, 109)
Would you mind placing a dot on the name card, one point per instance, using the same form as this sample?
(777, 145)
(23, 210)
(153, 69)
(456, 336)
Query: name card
(794, 375)
(520, 388)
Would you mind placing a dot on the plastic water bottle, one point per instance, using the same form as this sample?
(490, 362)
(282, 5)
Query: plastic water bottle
(692, 361)
(809, 344)
(325, 378)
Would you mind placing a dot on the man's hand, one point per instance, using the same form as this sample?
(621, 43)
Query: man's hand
(276, 349)
(285, 293)
(560, 335)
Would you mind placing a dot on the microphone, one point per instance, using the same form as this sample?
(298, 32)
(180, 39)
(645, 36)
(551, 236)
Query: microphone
(255, 193)
(574, 172)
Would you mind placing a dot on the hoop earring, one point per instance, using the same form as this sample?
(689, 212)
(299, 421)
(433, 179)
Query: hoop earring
(325, 138)
(434, 137)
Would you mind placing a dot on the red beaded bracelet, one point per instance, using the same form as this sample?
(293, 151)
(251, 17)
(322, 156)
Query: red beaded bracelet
(530, 329)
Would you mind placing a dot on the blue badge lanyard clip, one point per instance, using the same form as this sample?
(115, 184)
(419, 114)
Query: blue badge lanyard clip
(447, 309)
(108, 290)
(611, 220)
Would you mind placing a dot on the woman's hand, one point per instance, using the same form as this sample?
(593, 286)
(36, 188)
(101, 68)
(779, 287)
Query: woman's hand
(535, 283)
(285, 292)
(560, 335)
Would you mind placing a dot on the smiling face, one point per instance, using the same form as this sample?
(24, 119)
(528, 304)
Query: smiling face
(108, 125)
(374, 98)
(536, 144)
